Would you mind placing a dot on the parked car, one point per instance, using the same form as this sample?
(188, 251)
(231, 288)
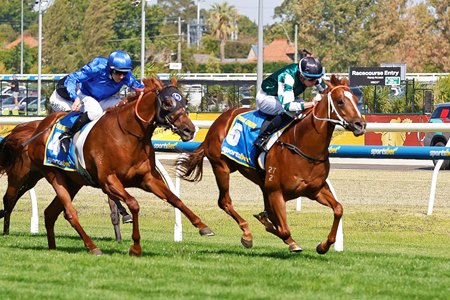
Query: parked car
(7, 104)
(441, 114)
(28, 105)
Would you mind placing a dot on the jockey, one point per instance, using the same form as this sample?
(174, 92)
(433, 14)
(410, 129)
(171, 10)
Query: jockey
(92, 89)
(279, 93)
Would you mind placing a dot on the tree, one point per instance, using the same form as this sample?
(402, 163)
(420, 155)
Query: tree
(62, 29)
(222, 21)
(97, 30)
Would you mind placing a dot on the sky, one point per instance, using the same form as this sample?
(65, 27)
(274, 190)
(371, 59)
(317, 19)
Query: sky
(248, 8)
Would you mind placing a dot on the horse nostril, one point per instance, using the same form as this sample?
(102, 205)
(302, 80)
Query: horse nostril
(187, 132)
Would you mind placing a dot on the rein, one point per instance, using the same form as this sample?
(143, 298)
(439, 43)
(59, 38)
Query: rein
(297, 150)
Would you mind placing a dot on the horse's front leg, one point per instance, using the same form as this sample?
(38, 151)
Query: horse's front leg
(275, 219)
(325, 197)
(153, 183)
(116, 191)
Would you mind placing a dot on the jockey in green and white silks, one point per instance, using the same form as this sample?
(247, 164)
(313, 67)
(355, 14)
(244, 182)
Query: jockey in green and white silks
(279, 94)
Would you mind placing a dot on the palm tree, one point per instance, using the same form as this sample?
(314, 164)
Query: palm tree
(222, 22)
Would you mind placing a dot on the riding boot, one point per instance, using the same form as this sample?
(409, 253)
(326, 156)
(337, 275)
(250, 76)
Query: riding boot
(64, 138)
(272, 127)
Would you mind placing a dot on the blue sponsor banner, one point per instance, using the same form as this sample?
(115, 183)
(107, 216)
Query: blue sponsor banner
(401, 152)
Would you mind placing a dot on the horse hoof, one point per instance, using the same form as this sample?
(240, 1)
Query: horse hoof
(261, 216)
(132, 252)
(127, 219)
(246, 243)
(294, 247)
(320, 249)
(206, 232)
(96, 251)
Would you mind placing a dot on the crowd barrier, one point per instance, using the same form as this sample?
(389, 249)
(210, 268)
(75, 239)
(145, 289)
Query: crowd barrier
(403, 152)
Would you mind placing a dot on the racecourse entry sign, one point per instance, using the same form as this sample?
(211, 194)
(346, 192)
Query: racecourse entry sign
(360, 76)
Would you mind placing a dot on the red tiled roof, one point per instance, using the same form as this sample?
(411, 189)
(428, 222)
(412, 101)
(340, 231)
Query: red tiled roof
(278, 50)
(27, 40)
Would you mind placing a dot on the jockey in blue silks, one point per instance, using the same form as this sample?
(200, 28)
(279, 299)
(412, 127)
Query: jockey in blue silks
(92, 89)
(279, 94)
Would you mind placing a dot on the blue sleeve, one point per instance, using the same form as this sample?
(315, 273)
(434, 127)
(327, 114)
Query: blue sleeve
(134, 84)
(84, 74)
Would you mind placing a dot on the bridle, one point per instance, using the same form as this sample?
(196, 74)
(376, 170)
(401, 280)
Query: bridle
(331, 108)
(169, 119)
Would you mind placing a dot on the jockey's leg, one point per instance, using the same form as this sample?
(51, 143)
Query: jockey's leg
(91, 110)
(82, 120)
(271, 128)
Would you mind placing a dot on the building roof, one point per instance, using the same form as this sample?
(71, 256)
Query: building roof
(28, 40)
(279, 50)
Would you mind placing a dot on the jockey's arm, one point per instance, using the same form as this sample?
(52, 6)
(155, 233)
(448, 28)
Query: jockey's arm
(286, 95)
(81, 75)
(135, 85)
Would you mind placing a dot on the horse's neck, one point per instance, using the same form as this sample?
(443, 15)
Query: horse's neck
(138, 123)
(314, 132)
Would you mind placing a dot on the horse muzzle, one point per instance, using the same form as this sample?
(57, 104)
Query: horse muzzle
(186, 133)
(358, 127)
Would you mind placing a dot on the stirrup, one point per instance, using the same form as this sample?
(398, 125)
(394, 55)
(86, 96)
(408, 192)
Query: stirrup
(64, 142)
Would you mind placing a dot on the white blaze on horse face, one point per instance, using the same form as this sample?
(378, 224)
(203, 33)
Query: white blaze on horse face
(349, 95)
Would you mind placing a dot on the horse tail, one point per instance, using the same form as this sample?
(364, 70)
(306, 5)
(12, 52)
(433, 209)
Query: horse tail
(190, 165)
(11, 147)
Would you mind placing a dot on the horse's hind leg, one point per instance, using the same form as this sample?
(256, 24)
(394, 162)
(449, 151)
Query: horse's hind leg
(275, 219)
(115, 219)
(17, 186)
(65, 196)
(154, 183)
(326, 198)
(222, 174)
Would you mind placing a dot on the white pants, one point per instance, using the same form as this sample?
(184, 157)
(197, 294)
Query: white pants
(90, 105)
(268, 104)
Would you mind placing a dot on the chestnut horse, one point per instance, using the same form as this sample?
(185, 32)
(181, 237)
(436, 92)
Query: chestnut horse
(23, 176)
(118, 153)
(297, 165)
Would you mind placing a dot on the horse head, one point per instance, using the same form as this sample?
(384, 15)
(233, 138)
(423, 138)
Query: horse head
(171, 108)
(342, 106)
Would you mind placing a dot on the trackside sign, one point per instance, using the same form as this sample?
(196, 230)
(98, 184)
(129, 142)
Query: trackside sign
(360, 76)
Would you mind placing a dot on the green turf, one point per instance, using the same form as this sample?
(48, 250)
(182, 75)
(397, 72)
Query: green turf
(392, 249)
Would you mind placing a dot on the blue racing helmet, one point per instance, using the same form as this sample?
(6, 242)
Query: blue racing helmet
(311, 68)
(119, 61)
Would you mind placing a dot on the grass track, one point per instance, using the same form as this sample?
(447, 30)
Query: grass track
(392, 250)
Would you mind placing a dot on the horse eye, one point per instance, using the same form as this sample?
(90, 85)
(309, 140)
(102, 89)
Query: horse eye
(340, 102)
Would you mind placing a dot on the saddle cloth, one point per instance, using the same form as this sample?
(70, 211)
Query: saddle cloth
(74, 159)
(238, 144)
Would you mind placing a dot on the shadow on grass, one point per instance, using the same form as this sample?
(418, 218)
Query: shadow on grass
(159, 248)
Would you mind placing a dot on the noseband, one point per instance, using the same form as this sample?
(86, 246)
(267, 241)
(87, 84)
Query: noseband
(332, 108)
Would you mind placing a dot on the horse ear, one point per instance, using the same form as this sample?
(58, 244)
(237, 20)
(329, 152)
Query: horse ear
(344, 81)
(328, 83)
(334, 80)
(173, 81)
